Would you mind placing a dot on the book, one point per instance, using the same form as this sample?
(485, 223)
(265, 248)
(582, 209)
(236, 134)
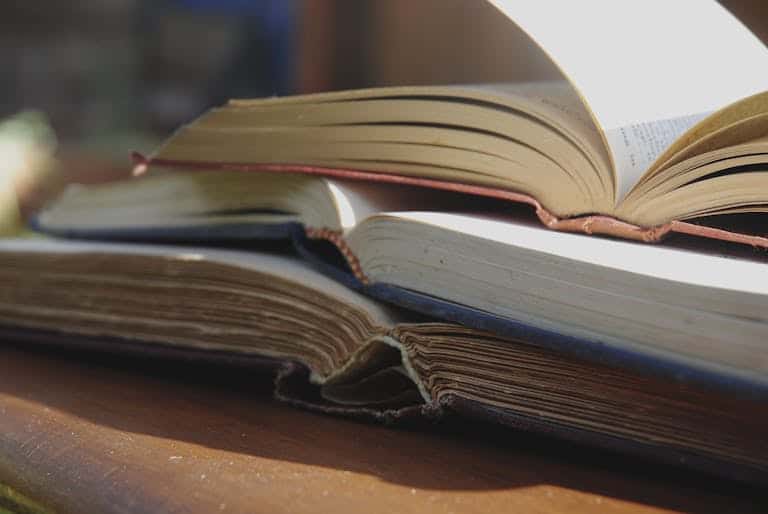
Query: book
(701, 309)
(658, 137)
(337, 351)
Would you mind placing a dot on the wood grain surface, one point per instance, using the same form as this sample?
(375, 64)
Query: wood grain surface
(83, 434)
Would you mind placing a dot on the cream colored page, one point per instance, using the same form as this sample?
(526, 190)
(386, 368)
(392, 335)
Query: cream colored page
(285, 267)
(636, 63)
(558, 103)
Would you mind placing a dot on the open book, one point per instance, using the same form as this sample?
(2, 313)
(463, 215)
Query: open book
(485, 270)
(364, 359)
(646, 133)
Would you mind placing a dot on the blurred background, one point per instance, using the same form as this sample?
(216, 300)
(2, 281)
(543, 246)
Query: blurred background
(97, 79)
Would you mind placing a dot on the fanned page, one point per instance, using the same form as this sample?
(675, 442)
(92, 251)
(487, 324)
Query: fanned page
(281, 266)
(275, 306)
(480, 135)
(647, 70)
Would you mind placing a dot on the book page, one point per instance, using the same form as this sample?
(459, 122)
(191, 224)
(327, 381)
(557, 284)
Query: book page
(693, 268)
(560, 105)
(636, 63)
(636, 147)
(281, 266)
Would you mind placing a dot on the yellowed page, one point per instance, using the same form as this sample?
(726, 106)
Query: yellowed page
(636, 63)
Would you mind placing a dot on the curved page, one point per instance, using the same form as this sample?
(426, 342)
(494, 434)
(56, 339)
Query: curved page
(648, 70)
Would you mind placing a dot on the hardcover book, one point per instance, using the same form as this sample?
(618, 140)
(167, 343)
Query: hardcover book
(657, 137)
(362, 358)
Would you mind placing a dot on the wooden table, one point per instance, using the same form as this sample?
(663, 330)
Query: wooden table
(81, 434)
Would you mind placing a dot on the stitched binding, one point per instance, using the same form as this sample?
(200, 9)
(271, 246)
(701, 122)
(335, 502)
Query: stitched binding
(335, 237)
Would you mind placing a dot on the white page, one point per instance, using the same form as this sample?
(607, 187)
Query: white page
(648, 69)
(682, 266)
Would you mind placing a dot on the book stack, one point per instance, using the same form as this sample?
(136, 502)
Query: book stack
(481, 251)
